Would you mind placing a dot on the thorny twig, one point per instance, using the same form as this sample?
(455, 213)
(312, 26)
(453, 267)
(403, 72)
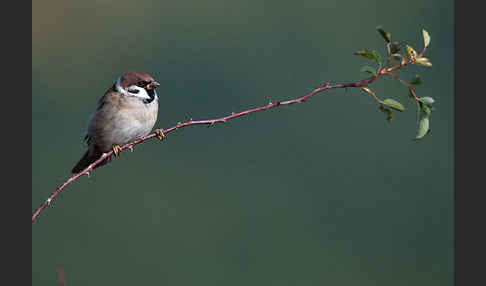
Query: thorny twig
(387, 70)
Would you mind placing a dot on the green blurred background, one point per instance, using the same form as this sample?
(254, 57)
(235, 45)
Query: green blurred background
(321, 193)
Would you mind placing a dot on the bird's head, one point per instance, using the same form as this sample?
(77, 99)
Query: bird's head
(137, 84)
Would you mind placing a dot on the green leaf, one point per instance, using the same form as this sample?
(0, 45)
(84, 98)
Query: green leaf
(369, 54)
(395, 47)
(426, 36)
(393, 104)
(416, 80)
(424, 121)
(423, 62)
(423, 127)
(385, 34)
(368, 69)
(427, 100)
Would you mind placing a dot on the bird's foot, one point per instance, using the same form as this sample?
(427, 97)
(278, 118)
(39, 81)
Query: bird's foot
(116, 150)
(160, 134)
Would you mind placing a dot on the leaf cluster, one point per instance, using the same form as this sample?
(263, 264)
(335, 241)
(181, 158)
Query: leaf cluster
(387, 106)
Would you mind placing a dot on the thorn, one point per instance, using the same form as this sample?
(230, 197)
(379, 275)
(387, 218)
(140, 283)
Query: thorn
(49, 201)
(130, 148)
(87, 173)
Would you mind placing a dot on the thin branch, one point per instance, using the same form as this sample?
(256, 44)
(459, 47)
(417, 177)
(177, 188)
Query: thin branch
(190, 122)
(60, 276)
(365, 88)
(157, 133)
(388, 51)
(409, 86)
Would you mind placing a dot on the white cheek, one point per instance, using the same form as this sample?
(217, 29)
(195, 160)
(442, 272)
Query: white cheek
(142, 93)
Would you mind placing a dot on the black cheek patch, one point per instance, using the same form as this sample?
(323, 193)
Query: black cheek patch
(151, 93)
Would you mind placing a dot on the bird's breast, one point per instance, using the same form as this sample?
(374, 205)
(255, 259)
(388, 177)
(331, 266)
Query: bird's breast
(122, 124)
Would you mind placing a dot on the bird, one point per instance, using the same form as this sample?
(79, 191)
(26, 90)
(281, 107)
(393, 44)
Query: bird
(127, 111)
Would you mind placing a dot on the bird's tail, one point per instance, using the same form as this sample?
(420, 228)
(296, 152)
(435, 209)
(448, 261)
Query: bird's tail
(89, 158)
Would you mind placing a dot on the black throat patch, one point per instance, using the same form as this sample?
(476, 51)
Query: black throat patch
(151, 93)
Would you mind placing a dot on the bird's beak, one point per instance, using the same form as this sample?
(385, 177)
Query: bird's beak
(152, 85)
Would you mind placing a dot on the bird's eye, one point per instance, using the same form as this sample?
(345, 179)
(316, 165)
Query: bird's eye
(141, 84)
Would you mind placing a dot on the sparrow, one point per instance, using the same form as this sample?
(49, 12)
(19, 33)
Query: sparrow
(127, 111)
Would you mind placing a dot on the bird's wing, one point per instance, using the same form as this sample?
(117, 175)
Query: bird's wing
(110, 98)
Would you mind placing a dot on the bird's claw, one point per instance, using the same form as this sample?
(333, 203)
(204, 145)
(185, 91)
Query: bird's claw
(160, 134)
(116, 150)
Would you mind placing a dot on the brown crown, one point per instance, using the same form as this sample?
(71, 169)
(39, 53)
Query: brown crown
(132, 77)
